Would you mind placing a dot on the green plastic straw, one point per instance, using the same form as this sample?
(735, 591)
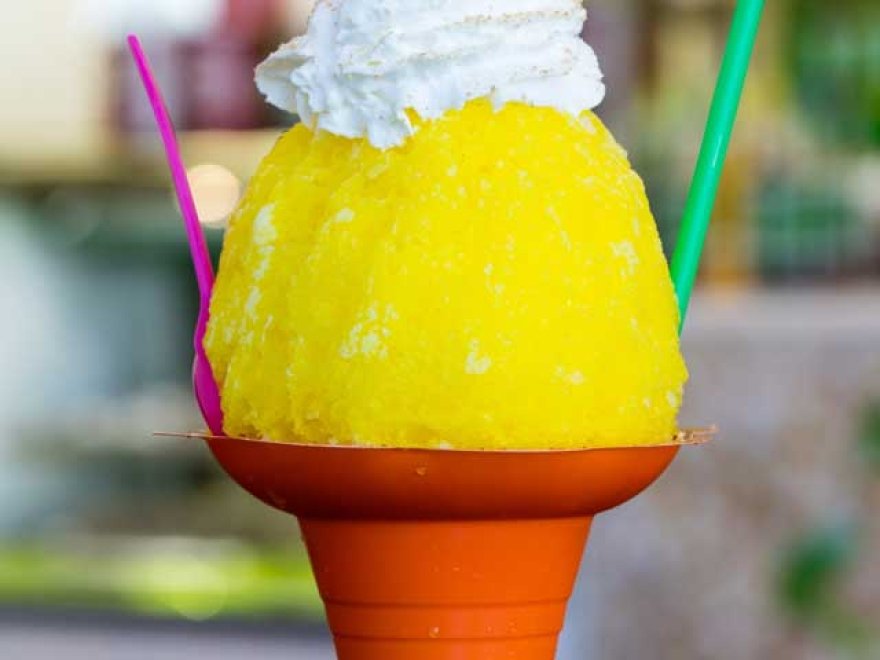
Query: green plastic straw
(722, 116)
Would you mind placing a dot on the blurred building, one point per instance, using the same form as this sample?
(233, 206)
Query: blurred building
(761, 545)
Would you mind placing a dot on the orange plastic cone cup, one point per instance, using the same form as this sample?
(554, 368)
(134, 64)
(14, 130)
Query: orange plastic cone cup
(442, 555)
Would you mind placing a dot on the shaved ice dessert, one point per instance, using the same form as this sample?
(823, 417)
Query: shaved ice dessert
(450, 250)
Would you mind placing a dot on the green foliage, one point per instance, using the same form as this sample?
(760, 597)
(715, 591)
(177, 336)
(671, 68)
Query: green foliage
(833, 51)
(869, 442)
(198, 582)
(812, 569)
(816, 566)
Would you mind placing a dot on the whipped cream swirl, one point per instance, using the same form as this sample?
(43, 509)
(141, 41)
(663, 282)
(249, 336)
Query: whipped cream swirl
(363, 63)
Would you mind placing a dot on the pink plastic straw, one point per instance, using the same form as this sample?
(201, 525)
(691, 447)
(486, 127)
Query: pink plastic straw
(204, 384)
(198, 248)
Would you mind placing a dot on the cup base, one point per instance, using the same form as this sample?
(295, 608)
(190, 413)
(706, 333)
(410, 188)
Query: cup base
(446, 590)
(533, 648)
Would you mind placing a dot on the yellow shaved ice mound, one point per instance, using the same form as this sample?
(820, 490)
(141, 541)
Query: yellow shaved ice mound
(496, 282)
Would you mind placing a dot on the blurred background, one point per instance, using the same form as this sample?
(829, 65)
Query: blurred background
(117, 544)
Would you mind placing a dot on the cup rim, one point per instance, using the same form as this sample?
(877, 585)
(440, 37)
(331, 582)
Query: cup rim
(694, 436)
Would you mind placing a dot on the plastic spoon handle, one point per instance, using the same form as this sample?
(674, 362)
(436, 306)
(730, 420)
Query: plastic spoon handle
(722, 116)
(201, 258)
